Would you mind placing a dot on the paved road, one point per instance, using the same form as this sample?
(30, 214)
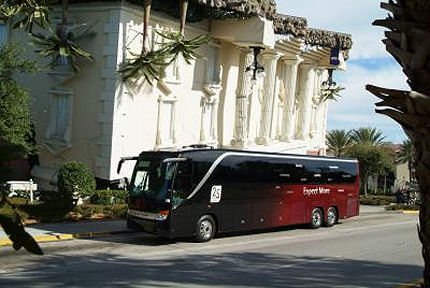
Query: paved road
(375, 250)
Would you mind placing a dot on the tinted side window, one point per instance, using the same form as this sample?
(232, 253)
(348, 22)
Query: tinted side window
(341, 172)
(200, 168)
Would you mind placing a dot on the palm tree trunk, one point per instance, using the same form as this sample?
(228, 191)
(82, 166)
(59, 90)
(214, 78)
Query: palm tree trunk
(423, 173)
(407, 41)
(385, 184)
(146, 18)
(365, 183)
(184, 9)
(64, 20)
(410, 171)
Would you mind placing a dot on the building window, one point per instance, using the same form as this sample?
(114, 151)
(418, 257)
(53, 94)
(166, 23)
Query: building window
(60, 122)
(166, 122)
(4, 34)
(208, 122)
(213, 66)
(172, 72)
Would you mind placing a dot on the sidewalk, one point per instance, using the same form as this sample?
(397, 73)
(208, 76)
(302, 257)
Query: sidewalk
(369, 209)
(67, 231)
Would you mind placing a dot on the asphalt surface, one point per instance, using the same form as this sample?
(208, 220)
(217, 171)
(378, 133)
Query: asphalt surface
(372, 250)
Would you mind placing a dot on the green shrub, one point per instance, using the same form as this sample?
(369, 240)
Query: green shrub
(54, 198)
(109, 197)
(75, 181)
(106, 211)
(377, 199)
(394, 207)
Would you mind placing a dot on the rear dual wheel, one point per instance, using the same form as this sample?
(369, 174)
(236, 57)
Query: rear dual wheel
(331, 217)
(316, 218)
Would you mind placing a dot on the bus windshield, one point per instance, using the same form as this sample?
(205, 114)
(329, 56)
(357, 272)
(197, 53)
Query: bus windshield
(152, 179)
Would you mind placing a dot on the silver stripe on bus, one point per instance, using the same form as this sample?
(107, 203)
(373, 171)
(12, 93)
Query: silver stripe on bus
(223, 156)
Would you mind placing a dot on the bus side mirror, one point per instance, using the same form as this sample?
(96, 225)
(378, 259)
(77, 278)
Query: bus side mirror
(118, 169)
(123, 159)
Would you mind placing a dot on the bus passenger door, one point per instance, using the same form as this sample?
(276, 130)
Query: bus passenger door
(182, 213)
(181, 219)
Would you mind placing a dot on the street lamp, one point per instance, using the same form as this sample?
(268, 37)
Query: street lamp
(329, 83)
(256, 68)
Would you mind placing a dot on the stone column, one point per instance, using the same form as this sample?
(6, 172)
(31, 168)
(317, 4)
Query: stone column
(290, 84)
(214, 117)
(324, 125)
(317, 107)
(304, 95)
(322, 115)
(244, 87)
(270, 61)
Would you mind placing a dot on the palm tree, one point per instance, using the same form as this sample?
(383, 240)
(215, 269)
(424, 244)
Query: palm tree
(407, 155)
(338, 141)
(370, 136)
(407, 41)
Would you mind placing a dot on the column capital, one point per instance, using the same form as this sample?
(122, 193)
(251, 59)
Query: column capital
(320, 69)
(307, 66)
(243, 49)
(270, 55)
(292, 60)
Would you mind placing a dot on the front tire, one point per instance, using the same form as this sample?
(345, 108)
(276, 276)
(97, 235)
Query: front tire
(316, 218)
(331, 217)
(205, 229)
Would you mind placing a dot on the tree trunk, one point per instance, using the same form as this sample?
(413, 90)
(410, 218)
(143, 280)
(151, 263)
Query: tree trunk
(408, 41)
(184, 9)
(146, 18)
(385, 183)
(410, 171)
(64, 20)
(365, 183)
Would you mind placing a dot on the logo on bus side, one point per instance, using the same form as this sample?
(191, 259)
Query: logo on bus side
(216, 194)
(315, 191)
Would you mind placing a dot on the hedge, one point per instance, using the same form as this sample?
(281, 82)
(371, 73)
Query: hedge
(109, 197)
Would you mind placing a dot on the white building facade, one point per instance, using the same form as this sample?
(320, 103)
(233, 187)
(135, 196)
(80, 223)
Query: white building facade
(95, 118)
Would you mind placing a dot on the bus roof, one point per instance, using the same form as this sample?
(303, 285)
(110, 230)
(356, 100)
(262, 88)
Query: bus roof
(187, 150)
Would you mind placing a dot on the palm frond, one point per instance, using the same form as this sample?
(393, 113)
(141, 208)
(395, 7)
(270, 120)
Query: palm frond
(54, 46)
(370, 136)
(177, 46)
(338, 141)
(331, 93)
(26, 13)
(147, 65)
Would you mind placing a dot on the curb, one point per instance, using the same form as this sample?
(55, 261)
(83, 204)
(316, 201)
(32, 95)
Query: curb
(413, 284)
(412, 212)
(64, 237)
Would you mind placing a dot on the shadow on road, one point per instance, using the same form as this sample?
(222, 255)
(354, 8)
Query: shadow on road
(228, 269)
(142, 238)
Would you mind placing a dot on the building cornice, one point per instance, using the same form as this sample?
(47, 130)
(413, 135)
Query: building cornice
(290, 25)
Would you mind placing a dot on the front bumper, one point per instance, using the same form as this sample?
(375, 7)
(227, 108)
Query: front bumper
(149, 223)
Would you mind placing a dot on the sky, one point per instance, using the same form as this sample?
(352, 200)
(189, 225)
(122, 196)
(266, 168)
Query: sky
(368, 62)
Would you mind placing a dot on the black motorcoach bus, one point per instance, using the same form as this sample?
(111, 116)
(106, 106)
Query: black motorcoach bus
(201, 192)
